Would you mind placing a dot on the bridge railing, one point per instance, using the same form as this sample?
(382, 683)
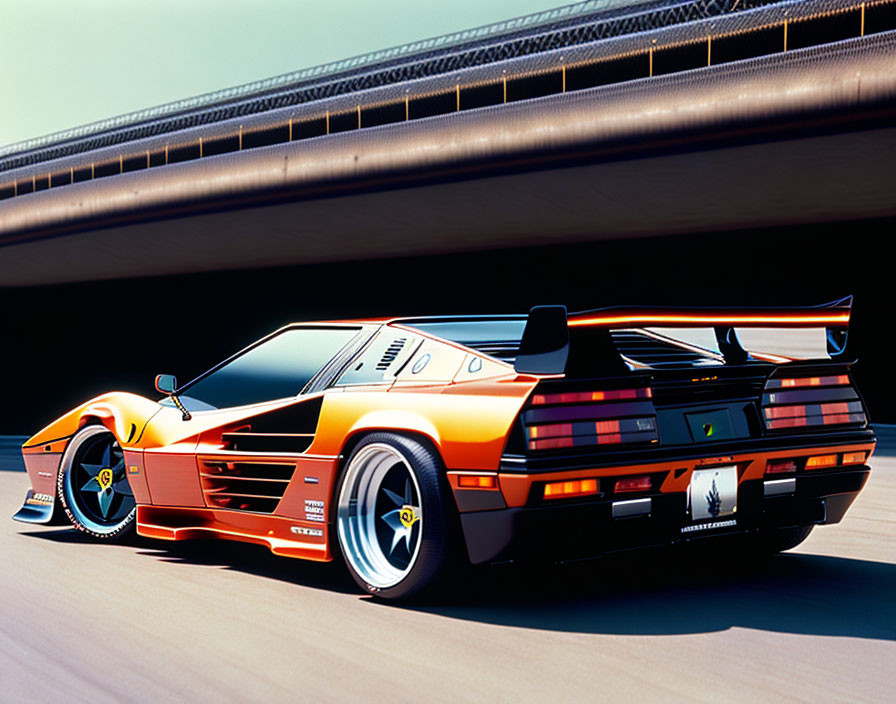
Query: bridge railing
(756, 33)
(581, 21)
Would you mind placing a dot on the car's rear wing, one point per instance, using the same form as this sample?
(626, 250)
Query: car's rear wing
(579, 344)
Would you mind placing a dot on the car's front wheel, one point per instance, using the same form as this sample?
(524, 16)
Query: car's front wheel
(392, 517)
(93, 485)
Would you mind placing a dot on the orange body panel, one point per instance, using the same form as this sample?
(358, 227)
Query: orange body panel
(42, 470)
(438, 411)
(172, 475)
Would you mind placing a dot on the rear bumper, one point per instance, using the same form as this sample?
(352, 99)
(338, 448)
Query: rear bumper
(580, 530)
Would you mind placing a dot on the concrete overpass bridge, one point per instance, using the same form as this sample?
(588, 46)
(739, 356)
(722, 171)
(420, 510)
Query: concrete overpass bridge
(598, 121)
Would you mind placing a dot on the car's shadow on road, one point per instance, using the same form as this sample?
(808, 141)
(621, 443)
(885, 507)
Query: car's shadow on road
(667, 593)
(660, 592)
(252, 559)
(229, 555)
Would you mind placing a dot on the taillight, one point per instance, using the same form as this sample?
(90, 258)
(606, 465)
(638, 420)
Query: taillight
(566, 490)
(810, 402)
(633, 484)
(586, 396)
(780, 466)
(853, 458)
(839, 380)
(592, 417)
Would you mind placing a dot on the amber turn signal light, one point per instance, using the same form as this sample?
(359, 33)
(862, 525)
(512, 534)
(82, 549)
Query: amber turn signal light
(853, 458)
(477, 481)
(565, 490)
(820, 461)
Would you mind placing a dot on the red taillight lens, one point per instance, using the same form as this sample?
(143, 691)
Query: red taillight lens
(568, 419)
(780, 466)
(633, 484)
(590, 396)
(807, 402)
(565, 490)
(839, 380)
(821, 461)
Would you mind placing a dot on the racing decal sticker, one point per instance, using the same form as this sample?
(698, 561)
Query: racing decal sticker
(301, 530)
(314, 510)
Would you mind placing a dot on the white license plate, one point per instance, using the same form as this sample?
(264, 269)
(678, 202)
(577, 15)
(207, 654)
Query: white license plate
(713, 493)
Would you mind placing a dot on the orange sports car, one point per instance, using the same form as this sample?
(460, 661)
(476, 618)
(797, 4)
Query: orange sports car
(410, 444)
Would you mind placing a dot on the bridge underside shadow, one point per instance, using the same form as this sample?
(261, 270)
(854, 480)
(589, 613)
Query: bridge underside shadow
(68, 342)
(791, 180)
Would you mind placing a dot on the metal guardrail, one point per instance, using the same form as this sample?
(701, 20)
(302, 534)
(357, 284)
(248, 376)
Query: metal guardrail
(564, 26)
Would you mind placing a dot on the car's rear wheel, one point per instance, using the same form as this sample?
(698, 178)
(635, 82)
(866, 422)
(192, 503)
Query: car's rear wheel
(93, 485)
(392, 517)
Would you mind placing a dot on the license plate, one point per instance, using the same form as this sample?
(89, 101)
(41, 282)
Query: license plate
(712, 493)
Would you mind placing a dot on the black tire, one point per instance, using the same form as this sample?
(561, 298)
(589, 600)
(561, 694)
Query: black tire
(386, 474)
(112, 516)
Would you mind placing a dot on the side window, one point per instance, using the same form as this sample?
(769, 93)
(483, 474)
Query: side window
(384, 357)
(277, 368)
(433, 361)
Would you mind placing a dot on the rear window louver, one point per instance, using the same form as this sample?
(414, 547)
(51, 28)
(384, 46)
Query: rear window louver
(646, 349)
(244, 486)
(583, 418)
(391, 354)
(818, 401)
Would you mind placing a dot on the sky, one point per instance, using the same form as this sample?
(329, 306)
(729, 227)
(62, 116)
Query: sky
(69, 62)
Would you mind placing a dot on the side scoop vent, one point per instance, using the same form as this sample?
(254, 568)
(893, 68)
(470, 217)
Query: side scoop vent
(391, 353)
(244, 486)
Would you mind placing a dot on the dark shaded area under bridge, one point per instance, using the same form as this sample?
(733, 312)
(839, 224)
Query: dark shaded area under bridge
(67, 343)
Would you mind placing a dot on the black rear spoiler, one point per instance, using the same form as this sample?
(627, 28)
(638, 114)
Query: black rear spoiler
(557, 342)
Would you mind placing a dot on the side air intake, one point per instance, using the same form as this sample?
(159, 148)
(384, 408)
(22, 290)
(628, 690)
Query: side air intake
(244, 486)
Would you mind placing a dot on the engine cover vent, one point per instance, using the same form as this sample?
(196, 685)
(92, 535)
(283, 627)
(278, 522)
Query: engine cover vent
(391, 353)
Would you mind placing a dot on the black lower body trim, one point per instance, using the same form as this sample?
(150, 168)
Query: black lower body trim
(582, 530)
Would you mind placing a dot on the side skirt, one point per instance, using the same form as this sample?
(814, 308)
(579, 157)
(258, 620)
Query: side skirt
(283, 536)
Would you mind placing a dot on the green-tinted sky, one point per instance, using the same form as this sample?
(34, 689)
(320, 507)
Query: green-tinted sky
(69, 62)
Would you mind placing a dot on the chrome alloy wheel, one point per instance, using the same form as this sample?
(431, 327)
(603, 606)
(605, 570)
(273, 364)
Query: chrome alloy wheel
(379, 515)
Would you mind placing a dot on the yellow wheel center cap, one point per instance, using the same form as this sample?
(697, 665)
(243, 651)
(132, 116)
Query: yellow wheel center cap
(408, 516)
(104, 478)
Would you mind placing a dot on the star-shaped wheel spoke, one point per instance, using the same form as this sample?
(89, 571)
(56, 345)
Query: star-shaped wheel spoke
(117, 486)
(401, 529)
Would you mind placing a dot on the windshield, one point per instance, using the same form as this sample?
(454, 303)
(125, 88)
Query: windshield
(280, 367)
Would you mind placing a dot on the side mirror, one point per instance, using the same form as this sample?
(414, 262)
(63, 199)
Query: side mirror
(166, 383)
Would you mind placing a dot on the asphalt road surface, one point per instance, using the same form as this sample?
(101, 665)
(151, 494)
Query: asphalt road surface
(223, 622)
